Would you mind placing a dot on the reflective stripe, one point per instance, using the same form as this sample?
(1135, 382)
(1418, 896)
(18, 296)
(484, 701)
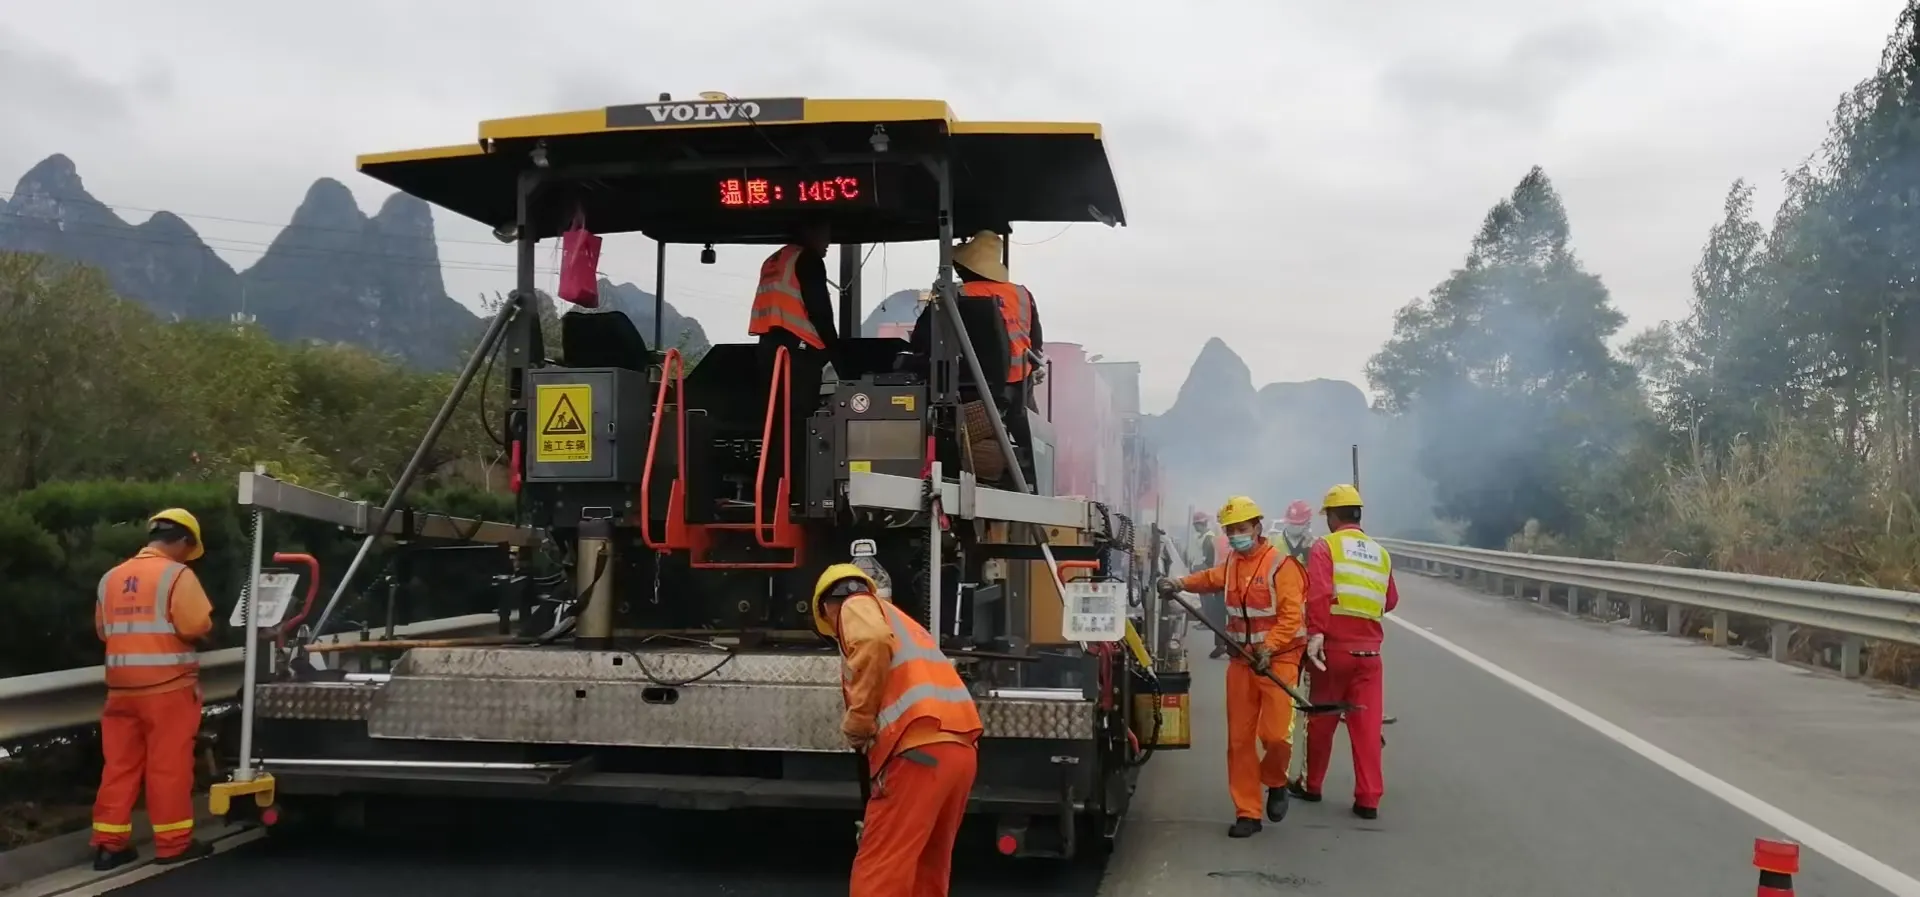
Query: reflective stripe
(159, 827)
(113, 828)
(910, 648)
(778, 301)
(153, 660)
(1016, 315)
(1251, 624)
(1359, 582)
(925, 691)
(147, 628)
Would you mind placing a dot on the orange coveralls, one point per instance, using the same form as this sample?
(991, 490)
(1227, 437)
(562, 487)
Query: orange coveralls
(922, 757)
(1266, 606)
(153, 699)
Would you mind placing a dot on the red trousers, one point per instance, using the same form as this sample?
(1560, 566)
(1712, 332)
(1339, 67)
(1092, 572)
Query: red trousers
(1355, 680)
(148, 736)
(919, 798)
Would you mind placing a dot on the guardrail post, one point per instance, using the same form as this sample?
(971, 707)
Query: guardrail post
(1519, 589)
(1779, 638)
(1573, 600)
(1720, 626)
(1676, 619)
(1850, 660)
(1637, 609)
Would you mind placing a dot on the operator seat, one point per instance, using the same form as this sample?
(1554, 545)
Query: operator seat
(602, 338)
(987, 332)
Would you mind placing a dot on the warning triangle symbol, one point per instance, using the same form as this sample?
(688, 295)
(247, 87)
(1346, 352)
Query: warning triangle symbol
(564, 421)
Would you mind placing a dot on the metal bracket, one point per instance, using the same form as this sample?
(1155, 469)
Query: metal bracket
(257, 490)
(970, 501)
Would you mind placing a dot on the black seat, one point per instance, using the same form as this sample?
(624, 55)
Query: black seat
(602, 338)
(987, 331)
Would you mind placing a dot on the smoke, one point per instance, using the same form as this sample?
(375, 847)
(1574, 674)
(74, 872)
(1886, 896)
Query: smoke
(1282, 442)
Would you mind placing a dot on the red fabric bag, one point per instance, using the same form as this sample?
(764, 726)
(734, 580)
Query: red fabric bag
(580, 265)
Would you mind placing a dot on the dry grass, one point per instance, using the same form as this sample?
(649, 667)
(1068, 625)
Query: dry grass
(1794, 505)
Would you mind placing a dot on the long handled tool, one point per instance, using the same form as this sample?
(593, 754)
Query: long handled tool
(1300, 701)
(866, 792)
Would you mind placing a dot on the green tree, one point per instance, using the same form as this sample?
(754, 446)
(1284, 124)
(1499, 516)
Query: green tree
(1506, 367)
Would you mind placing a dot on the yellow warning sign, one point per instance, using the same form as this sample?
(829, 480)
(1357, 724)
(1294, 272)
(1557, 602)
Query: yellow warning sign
(565, 412)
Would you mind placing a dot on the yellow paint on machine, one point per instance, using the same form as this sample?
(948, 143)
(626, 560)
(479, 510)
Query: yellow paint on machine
(565, 413)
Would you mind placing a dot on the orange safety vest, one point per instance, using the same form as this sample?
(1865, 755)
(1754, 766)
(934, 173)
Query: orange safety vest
(921, 684)
(143, 648)
(1251, 590)
(777, 302)
(1016, 309)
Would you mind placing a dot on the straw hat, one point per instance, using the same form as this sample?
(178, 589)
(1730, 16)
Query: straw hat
(982, 255)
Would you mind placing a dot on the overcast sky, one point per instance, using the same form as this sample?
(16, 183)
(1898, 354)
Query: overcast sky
(1294, 171)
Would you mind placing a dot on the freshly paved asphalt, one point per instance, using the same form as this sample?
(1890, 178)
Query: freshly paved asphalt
(1490, 792)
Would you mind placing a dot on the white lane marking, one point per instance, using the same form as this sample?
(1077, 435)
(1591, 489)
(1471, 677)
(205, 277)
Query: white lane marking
(1848, 856)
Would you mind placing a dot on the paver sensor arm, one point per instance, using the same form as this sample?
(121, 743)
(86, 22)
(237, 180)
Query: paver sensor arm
(495, 329)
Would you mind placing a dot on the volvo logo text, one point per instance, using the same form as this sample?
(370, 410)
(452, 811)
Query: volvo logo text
(658, 115)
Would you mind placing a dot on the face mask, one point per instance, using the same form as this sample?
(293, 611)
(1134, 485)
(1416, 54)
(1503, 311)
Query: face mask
(1240, 542)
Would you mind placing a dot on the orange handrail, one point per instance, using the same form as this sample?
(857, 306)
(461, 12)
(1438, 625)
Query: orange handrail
(779, 390)
(673, 370)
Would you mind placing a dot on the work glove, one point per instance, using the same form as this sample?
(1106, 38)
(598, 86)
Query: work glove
(1317, 650)
(1262, 659)
(1168, 587)
(858, 742)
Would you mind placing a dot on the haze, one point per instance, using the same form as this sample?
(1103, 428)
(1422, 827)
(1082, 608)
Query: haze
(1294, 171)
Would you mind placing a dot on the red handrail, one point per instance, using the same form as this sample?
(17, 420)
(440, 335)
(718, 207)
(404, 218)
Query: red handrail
(313, 585)
(780, 391)
(1074, 565)
(673, 370)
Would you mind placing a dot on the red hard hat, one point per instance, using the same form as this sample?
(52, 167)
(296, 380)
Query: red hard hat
(1299, 513)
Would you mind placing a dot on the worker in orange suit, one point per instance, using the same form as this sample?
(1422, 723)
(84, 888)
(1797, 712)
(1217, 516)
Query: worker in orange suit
(912, 717)
(149, 612)
(1265, 592)
(1351, 589)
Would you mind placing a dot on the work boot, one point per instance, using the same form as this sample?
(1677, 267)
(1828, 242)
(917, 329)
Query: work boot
(1243, 828)
(1298, 788)
(1218, 652)
(1276, 804)
(196, 850)
(105, 860)
(1366, 812)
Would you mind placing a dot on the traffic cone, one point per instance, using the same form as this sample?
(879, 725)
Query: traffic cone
(1777, 861)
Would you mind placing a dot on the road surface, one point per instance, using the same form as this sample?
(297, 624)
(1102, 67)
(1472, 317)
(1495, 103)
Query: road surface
(1491, 791)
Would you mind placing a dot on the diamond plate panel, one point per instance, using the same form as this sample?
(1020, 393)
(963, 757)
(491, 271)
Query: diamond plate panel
(314, 700)
(642, 665)
(768, 701)
(736, 716)
(1005, 718)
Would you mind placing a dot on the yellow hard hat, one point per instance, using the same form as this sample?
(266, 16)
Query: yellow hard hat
(1238, 509)
(828, 578)
(184, 518)
(981, 255)
(1341, 496)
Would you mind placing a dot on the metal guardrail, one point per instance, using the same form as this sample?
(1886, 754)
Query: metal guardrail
(1857, 612)
(44, 703)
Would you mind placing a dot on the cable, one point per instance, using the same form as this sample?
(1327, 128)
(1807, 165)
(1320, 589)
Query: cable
(663, 683)
(1056, 236)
